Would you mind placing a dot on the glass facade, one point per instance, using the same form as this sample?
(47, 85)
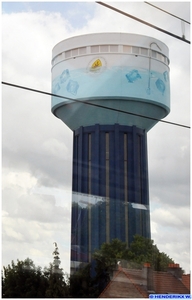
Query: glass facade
(110, 188)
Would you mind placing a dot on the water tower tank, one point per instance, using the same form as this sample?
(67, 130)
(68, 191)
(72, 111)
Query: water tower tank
(125, 72)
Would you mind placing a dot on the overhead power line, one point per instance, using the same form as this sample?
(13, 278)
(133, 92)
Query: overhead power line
(92, 104)
(167, 12)
(144, 22)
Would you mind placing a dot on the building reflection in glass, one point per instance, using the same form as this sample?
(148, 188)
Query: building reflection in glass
(91, 223)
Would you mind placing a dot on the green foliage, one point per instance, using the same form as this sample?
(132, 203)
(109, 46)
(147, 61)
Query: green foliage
(82, 285)
(143, 250)
(111, 252)
(24, 280)
(56, 259)
(163, 261)
(108, 256)
(57, 287)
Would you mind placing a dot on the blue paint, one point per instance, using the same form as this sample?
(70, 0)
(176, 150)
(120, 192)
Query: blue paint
(133, 76)
(64, 76)
(72, 87)
(56, 88)
(160, 86)
(166, 76)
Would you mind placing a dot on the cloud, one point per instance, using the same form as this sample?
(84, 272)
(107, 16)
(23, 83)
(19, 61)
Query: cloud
(170, 230)
(172, 217)
(22, 204)
(169, 167)
(31, 222)
(30, 54)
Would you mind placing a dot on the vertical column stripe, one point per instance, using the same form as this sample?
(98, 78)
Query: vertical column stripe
(126, 188)
(80, 160)
(89, 163)
(89, 192)
(107, 187)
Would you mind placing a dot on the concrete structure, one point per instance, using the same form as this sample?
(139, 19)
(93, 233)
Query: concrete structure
(115, 88)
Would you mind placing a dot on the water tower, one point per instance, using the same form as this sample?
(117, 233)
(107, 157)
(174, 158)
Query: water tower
(116, 87)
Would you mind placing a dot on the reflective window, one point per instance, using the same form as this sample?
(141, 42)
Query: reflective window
(68, 54)
(74, 52)
(113, 48)
(94, 49)
(127, 49)
(82, 50)
(135, 50)
(144, 51)
(104, 48)
(153, 53)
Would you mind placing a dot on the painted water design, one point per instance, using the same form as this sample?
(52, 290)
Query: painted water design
(113, 82)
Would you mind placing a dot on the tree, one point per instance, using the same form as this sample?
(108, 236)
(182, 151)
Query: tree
(163, 261)
(57, 287)
(82, 284)
(107, 258)
(89, 281)
(92, 279)
(143, 250)
(23, 280)
(110, 253)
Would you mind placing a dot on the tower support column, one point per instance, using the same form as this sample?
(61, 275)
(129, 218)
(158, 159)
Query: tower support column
(110, 188)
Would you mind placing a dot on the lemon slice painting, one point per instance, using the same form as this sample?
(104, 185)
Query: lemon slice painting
(96, 65)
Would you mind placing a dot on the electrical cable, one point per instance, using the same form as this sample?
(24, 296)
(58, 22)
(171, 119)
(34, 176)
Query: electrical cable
(146, 23)
(92, 104)
(167, 12)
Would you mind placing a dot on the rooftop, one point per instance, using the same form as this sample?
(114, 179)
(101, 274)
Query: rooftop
(134, 283)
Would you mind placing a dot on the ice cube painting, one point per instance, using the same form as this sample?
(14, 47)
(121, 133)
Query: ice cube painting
(64, 76)
(160, 86)
(166, 76)
(133, 76)
(61, 82)
(72, 87)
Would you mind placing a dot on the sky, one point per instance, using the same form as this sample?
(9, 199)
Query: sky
(37, 147)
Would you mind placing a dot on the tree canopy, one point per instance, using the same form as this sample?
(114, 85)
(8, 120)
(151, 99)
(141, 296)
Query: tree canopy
(92, 279)
(57, 287)
(144, 250)
(141, 250)
(24, 280)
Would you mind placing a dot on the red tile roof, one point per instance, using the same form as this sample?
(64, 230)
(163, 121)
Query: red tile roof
(131, 283)
(167, 283)
(121, 286)
(186, 280)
